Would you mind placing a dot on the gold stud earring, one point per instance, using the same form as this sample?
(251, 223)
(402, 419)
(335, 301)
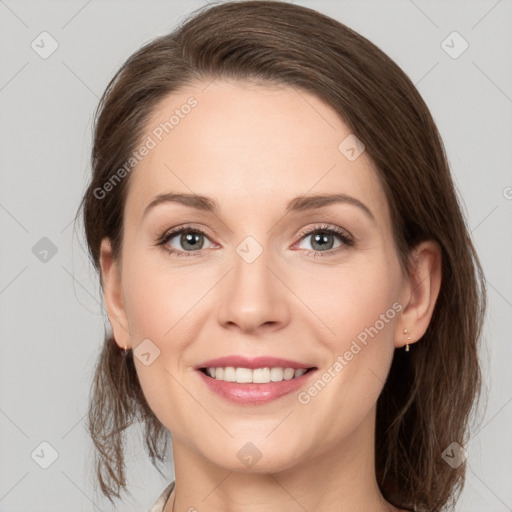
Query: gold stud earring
(408, 339)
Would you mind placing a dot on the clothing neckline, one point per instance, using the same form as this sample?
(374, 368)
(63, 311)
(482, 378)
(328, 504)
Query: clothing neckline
(162, 500)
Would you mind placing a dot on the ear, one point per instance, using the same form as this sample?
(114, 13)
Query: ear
(420, 293)
(112, 293)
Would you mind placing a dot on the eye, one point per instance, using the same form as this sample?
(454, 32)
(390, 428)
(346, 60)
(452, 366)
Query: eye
(189, 241)
(323, 240)
(183, 241)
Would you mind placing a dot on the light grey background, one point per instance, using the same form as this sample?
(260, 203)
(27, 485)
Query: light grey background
(51, 320)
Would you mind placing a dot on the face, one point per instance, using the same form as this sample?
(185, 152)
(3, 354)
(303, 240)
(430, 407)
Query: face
(316, 283)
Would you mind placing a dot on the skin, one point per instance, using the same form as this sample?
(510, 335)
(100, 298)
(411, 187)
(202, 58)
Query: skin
(253, 148)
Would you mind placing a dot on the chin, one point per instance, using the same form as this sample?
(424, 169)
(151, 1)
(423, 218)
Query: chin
(248, 456)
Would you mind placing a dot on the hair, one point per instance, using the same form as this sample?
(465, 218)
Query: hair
(431, 391)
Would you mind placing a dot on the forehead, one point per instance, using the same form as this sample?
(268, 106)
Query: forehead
(256, 145)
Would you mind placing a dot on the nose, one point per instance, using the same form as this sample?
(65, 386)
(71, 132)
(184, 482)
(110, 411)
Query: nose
(253, 297)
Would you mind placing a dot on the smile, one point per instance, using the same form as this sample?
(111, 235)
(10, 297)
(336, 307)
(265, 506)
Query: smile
(256, 375)
(244, 388)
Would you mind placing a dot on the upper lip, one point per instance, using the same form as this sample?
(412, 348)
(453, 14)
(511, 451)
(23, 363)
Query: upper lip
(239, 361)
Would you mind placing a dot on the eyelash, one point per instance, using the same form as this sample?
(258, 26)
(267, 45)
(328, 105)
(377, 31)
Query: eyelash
(347, 240)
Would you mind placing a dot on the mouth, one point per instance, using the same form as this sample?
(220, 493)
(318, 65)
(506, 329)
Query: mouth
(254, 386)
(264, 375)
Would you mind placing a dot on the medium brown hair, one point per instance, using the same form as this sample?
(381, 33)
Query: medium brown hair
(428, 398)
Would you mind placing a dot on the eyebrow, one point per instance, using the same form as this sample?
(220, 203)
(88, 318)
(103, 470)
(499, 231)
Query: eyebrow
(298, 204)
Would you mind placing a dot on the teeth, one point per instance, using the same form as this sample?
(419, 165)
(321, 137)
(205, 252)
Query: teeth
(258, 375)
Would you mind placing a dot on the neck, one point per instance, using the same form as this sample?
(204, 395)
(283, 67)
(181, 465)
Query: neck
(341, 478)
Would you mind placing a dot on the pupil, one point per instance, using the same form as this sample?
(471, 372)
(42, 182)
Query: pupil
(322, 240)
(189, 239)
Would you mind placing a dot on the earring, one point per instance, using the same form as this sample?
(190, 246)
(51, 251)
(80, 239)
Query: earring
(408, 339)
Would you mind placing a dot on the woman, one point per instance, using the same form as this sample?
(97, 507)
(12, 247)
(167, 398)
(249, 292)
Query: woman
(292, 290)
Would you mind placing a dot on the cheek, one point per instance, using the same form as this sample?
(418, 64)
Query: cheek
(356, 307)
(160, 306)
(362, 313)
(157, 300)
(347, 300)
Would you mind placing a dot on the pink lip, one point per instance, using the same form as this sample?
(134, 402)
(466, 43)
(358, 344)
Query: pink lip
(252, 362)
(250, 393)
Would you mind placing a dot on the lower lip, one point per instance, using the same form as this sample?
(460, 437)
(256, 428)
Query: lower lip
(252, 393)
